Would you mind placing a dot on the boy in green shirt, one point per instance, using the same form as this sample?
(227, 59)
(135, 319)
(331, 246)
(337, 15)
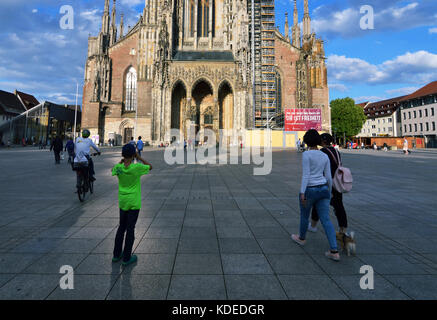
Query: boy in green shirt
(129, 199)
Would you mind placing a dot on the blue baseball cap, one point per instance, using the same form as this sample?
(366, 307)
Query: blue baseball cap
(128, 151)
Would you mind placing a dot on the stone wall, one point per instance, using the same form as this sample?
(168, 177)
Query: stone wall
(286, 56)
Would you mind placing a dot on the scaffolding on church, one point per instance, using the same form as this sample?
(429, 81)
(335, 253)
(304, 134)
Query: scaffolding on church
(263, 59)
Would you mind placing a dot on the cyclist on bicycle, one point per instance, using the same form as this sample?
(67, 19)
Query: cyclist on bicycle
(82, 149)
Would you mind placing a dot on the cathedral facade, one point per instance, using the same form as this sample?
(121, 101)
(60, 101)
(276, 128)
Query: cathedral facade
(191, 65)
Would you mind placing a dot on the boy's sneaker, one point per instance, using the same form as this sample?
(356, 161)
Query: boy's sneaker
(296, 239)
(332, 256)
(115, 259)
(133, 259)
(311, 228)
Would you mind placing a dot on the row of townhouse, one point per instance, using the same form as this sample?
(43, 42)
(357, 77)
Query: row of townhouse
(413, 115)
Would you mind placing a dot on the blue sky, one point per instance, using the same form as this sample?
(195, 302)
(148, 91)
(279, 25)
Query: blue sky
(396, 58)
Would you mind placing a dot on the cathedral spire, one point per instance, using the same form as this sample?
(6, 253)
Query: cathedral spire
(306, 21)
(145, 12)
(286, 27)
(105, 18)
(113, 29)
(121, 26)
(295, 14)
(296, 28)
(113, 13)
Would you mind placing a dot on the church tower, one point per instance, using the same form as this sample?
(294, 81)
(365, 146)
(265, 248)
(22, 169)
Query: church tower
(121, 26)
(113, 28)
(194, 65)
(286, 28)
(296, 28)
(306, 21)
(105, 18)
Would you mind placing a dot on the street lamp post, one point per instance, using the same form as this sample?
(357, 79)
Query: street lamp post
(75, 111)
(136, 120)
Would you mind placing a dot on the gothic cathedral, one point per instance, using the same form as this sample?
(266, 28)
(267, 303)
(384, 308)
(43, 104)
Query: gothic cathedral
(217, 64)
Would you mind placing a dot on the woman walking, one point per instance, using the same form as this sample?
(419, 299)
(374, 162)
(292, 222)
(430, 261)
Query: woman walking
(406, 146)
(316, 191)
(337, 197)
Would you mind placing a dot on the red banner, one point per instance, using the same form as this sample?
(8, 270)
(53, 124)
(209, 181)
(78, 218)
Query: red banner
(303, 119)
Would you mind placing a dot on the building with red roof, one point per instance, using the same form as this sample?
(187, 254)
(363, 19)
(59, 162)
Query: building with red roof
(419, 114)
(383, 118)
(27, 100)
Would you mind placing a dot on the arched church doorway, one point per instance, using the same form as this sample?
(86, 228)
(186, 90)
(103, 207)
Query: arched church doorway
(202, 108)
(102, 123)
(178, 102)
(226, 109)
(126, 131)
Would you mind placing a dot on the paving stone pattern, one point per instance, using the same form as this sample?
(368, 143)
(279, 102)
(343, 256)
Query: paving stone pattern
(216, 231)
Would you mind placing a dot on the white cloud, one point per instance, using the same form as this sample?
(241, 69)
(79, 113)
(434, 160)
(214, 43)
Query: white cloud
(338, 86)
(399, 12)
(417, 67)
(132, 3)
(329, 20)
(402, 91)
(432, 30)
(343, 22)
(34, 10)
(368, 98)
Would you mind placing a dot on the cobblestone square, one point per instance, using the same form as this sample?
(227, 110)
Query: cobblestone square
(216, 231)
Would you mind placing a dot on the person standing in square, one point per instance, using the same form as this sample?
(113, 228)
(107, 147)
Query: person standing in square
(129, 199)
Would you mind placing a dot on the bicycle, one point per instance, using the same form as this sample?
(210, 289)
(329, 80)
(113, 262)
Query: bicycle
(84, 183)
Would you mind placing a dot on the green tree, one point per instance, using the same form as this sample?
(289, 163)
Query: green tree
(347, 118)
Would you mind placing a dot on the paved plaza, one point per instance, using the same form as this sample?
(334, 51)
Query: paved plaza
(216, 231)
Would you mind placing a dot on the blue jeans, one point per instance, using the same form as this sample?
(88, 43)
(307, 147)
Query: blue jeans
(320, 198)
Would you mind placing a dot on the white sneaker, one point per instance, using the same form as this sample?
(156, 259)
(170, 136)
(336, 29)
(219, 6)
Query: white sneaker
(312, 229)
(296, 239)
(332, 256)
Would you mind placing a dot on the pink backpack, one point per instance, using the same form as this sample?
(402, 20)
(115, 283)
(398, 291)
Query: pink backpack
(342, 181)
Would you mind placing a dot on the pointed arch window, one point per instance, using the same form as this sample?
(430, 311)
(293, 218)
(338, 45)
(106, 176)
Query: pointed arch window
(203, 17)
(131, 90)
(192, 16)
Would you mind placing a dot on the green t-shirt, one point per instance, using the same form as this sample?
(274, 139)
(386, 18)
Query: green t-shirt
(129, 184)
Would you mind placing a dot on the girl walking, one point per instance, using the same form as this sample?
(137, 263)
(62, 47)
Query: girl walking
(316, 191)
(337, 197)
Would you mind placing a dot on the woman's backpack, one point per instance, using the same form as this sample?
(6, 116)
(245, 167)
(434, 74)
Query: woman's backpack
(342, 181)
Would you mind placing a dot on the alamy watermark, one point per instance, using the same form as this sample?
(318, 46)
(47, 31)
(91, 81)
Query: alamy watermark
(67, 280)
(225, 150)
(367, 21)
(67, 20)
(367, 282)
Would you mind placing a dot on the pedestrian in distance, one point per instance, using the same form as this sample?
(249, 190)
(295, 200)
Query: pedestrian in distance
(337, 197)
(57, 147)
(405, 148)
(69, 147)
(140, 145)
(316, 189)
(298, 144)
(129, 199)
